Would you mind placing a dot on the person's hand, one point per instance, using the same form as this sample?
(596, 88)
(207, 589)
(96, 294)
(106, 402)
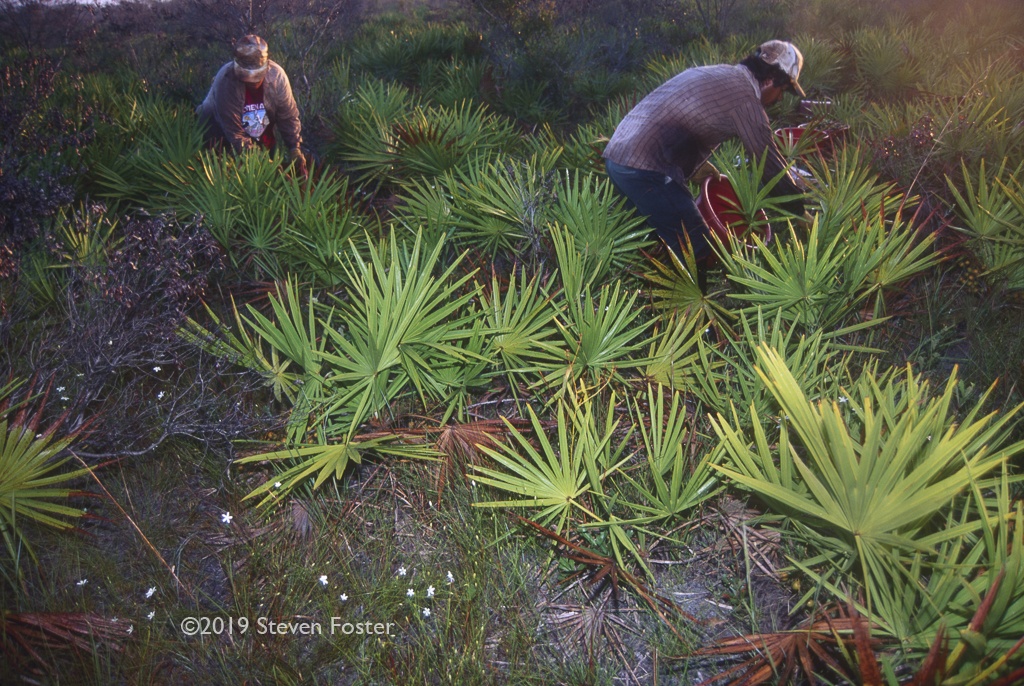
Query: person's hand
(704, 171)
(300, 163)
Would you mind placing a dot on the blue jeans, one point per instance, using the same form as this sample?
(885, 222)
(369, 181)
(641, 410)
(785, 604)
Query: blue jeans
(668, 206)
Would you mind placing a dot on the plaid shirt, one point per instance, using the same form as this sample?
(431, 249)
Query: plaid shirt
(677, 127)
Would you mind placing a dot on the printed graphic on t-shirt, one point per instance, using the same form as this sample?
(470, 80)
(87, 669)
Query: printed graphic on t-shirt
(255, 120)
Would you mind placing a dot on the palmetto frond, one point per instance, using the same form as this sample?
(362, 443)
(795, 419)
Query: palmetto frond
(863, 478)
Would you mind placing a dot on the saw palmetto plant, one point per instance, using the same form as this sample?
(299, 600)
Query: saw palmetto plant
(887, 60)
(430, 142)
(725, 379)
(845, 190)
(822, 70)
(163, 141)
(676, 482)
(991, 214)
(34, 481)
(602, 339)
(521, 332)
(551, 477)
(602, 229)
(754, 203)
(502, 205)
(864, 476)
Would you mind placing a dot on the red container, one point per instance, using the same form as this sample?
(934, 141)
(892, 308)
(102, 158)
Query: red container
(718, 205)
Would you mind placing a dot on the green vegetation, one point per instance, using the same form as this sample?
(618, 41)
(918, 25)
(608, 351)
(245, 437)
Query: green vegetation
(446, 391)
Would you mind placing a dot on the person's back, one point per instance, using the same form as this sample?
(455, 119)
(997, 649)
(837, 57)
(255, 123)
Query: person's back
(677, 126)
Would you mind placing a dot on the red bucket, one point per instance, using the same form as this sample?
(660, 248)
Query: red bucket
(718, 205)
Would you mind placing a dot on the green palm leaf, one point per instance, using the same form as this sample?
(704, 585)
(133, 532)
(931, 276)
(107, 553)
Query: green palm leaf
(872, 481)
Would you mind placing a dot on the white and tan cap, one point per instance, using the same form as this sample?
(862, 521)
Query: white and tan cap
(251, 59)
(787, 58)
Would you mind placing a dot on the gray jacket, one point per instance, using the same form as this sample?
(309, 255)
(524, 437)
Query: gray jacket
(224, 103)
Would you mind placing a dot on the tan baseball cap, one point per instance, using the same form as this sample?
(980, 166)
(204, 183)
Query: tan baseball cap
(251, 58)
(787, 58)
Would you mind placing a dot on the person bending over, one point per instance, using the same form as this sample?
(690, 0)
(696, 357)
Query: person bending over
(666, 140)
(251, 104)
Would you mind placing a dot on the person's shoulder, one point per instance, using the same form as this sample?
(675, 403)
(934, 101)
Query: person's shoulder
(726, 71)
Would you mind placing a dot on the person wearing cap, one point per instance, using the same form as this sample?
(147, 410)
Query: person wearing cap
(251, 104)
(666, 140)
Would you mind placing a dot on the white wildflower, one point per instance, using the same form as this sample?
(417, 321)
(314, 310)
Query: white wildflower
(450, 578)
(150, 592)
(226, 518)
(430, 592)
(402, 571)
(82, 582)
(426, 612)
(156, 369)
(151, 615)
(343, 597)
(410, 593)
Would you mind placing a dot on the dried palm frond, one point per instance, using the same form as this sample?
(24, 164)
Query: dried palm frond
(29, 639)
(818, 642)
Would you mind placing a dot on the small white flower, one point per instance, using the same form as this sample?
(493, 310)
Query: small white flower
(83, 582)
(150, 592)
(226, 518)
(130, 628)
(323, 579)
(343, 597)
(843, 399)
(60, 389)
(151, 615)
(160, 395)
(277, 484)
(450, 578)
(410, 593)
(65, 398)
(430, 592)
(110, 342)
(426, 612)
(157, 368)
(401, 571)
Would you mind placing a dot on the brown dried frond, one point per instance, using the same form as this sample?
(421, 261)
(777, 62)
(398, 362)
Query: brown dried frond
(461, 441)
(601, 570)
(779, 657)
(32, 637)
(762, 545)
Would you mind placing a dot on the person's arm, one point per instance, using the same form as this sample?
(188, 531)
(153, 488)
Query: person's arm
(286, 117)
(227, 96)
